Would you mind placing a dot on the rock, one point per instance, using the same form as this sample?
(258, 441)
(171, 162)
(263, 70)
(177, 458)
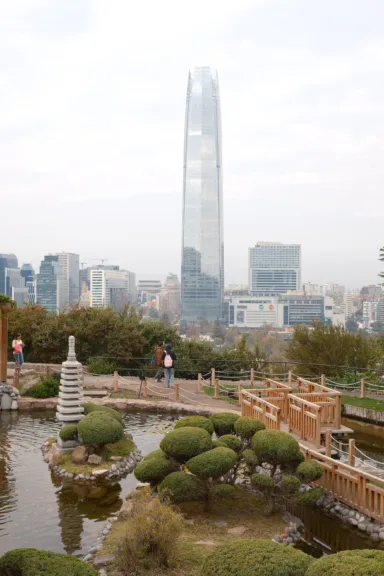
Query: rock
(369, 528)
(115, 458)
(6, 402)
(126, 510)
(101, 472)
(190, 522)
(80, 455)
(375, 537)
(377, 528)
(55, 455)
(353, 521)
(102, 572)
(351, 513)
(237, 530)
(88, 557)
(381, 535)
(289, 540)
(102, 561)
(337, 509)
(220, 524)
(345, 512)
(94, 459)
(362, 527)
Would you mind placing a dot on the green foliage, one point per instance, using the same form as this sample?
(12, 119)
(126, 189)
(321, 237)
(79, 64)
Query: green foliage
(68, 432)
(213, 464)
(232, 442)
(100, 366)
(123, 448)
(224, 491)
(48, 388)
(290, 485)
(276, 448)
(263, 483)
(349, 563)
(89, 407)
(218, 444)
(309, 498)
(154, 454)
(309, 471)
(224, 422)
(99, 428)
(246, 427)
(256, 558)
(153, 470)
(184, 443)
(32, 562)
(182, 487)
(196, 421)
(4, 299)
(250, 460)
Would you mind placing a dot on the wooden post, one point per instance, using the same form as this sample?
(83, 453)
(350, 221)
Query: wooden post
(362, 388)
(289, 377)
(115, 381)
(3, 347)
(338, 411)
(239, 394)
(213, 376)
(145, 389)
(252, 375)
(177, 392)
(318, 428)
(351, 452)
(216, 388)
(199, 383)
(302, 435)
(328, 444)
(322, 380)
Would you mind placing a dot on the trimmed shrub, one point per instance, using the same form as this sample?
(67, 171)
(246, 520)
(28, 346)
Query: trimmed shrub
(224, 491)
(232, 442)
(256, 558)
(89, 408)
(196, 422)
(309, 471)
(99, 428)
(68, 432)
(276, 448)
(246, 427)
(289, 485)
(213, 464)
(100, 366)
(153, 470)
(32, 562)
(224, 422)
(250, 460)
(154, 454)
(263, 483)
(182, 487)
(309, 498)
(218, 444)
(184, 443)
(349, 563)
(48, 388)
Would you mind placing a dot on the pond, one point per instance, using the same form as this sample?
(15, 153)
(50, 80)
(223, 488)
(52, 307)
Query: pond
(37, 510)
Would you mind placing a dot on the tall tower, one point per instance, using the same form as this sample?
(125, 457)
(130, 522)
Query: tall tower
(202, 269)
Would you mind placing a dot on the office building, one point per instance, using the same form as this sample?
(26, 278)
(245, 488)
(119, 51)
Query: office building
(300, 308)
(28, 274)
(255, 312)
(114, 288)
(69, 264)
(147, 290)
(274, 268)
(52, 287)
(369, 312)
(233, 290)
(349, 304)
(6, 261)
(168, 301)
(380, 311)
(202, 269)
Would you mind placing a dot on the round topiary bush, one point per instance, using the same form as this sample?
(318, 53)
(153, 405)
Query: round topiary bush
(153, 470)
(232, 442)
(213, 464)
(182, 487)
(154, 454)
(224, 491)
(349, 563)
(309, 498)
(68, 432)
(250, 459)
(277, 448)
(246, 427)
(224, 422)
(218, 444)
(184, 443)
(309, 471)
(89, 408)
(32, 562)
(196, 422)
(289, 485)
(99, 428)
(263, 483)
(256, 558)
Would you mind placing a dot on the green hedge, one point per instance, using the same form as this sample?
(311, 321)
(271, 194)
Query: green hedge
(246, 427)
(218, 444)
(182, 487)
(262, 482)
(89, 408)
(184, 443)
(276, 448)
(256, 558)
(309, 498)
(350, 563)
(32, 562)
(224, 422)
(68, 432)
(154, 454)
(232, 442)
(196, 422)
(224, 491)
(153, 470)
(309, 471)
(48, 388)
(290, 485)
(213, 464)
(99, 428)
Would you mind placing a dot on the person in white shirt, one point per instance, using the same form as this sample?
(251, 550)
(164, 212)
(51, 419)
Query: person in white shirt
(17, 346)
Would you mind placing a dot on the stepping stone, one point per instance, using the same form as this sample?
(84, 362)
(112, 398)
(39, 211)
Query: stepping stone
(237, 530)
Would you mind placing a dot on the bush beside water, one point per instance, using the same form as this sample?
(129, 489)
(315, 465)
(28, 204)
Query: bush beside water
(48, 388)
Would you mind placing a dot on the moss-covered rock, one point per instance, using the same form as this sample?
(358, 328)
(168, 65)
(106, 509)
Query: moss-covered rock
(246, 427)
(232, 442)
(349, 563)
(186, 442)
(196, 422)
(89, 407)
(32, 562)
(256, 558)
(224, 422)
(213, 464)
(68, 432)
(99, 428)
(153, 470)
(182, 487)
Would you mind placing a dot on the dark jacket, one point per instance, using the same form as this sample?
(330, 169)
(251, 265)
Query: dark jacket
(172, 355)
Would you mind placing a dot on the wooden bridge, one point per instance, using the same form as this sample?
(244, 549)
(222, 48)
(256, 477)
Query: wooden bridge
(311, 413)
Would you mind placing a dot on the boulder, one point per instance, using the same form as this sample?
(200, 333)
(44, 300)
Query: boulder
(94, 459)
(101, 561)
(80, 455)
(125, 510)
(55, 455)
(101, 472)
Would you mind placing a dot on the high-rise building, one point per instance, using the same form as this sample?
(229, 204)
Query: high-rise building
(28, 274)
(52, 287)
(114, 288)
(168, 301)
(69, 264)
(15, 286)
(147, 290)
(302, 308)
(6, 261)
(274, 268)
(202, 270)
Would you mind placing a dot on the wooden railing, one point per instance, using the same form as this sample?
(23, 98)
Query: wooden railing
(330, 403)
(254, 405)
(305, 419)
(356, 488)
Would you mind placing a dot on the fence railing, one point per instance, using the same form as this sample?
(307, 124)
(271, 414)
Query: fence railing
(266, 410)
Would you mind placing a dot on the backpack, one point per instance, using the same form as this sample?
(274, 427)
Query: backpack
(168, 361)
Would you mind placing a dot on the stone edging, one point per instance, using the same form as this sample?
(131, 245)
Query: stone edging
(363, 414)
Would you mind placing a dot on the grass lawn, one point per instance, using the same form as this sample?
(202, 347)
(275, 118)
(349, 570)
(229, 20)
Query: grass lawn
(369, 403)
(121, 448)
(242, 509)
(210, 391)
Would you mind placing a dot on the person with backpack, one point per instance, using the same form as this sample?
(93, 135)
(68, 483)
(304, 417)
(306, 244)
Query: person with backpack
(17, 346)
(169, 358)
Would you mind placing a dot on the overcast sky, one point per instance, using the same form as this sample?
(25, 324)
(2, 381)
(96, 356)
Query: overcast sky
(92, 103)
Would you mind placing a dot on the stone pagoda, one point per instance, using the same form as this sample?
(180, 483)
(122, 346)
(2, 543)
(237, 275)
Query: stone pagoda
(70, 405)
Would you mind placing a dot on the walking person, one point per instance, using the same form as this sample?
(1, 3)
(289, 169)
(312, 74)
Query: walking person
(158, 357)
(169, 358)
(17, 346)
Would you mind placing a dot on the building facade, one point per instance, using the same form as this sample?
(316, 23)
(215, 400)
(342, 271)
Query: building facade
(202, 269)
(274, 268)
(255, 312)
(6, 261)
(28, 274)
(51, 285)
(300, 308)
(147, 290)
(111, 288)
(69, 264)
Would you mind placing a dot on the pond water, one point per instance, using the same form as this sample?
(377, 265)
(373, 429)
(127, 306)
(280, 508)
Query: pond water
(38, 510)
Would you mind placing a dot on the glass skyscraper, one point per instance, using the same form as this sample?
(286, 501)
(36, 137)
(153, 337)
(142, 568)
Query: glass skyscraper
(202, 269)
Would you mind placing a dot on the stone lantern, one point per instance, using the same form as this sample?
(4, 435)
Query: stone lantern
(70, 404)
